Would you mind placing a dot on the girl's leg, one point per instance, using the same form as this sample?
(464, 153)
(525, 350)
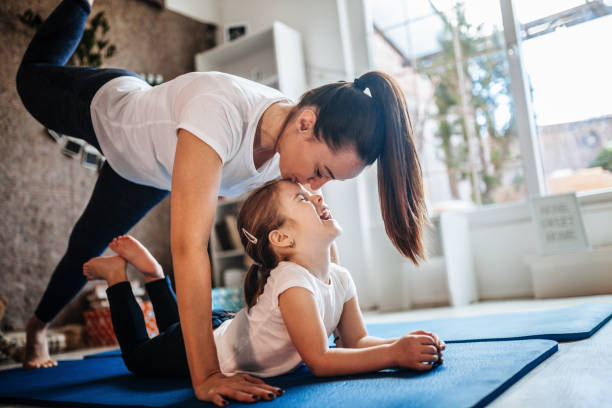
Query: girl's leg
(164, 303)
(127, 317)
(159, 288)
(59, 97)
(115, 206)
(128, 321)
(164, 355)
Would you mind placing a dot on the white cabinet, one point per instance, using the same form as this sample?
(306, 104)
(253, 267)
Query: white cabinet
(273, 57)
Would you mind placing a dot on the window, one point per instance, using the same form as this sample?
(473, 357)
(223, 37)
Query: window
(450, 59)
(451, 64)
(569, 65)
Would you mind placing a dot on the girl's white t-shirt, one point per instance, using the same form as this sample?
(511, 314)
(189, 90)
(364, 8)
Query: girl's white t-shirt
(137, 126)
(257, 341)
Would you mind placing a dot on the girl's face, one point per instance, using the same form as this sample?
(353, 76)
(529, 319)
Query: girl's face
(306, 160)
(311, 222)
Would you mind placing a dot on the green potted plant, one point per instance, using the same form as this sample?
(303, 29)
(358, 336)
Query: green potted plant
(93, 48)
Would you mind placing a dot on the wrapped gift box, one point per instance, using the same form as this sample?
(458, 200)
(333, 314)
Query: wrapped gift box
(99, 327)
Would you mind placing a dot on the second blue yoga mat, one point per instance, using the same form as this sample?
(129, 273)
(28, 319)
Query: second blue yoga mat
(473, 374)
(566, 324)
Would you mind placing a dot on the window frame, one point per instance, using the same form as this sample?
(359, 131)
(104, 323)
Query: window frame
(533, 169)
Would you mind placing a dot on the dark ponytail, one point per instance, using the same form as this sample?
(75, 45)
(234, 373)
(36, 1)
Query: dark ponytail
(400, 179)
(254, 282)
(258, 216)
(378, 126)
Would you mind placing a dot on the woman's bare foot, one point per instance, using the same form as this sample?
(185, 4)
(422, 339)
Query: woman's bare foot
(135, 253)
(36, 348)
(111, 269)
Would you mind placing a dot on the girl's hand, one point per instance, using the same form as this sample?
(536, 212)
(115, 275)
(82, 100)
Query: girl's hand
(218, 388)
(438, 343)
(416, 351)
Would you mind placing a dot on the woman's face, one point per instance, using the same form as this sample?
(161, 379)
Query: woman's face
(312, 222)
(306, 160)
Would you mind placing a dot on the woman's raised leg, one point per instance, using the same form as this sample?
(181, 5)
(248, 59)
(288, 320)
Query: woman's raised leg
(59, 97)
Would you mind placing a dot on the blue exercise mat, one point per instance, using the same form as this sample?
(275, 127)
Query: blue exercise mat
(571, 323)
(567, 324)
(473, 374)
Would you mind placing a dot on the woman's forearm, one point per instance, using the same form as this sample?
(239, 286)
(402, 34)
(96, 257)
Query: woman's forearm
(194, 296)
(345, 361)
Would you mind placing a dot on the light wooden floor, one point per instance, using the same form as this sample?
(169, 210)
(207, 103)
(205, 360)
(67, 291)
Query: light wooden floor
(578, 375)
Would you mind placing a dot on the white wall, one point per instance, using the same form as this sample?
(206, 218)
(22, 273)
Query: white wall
(206, 11)
(316, 20)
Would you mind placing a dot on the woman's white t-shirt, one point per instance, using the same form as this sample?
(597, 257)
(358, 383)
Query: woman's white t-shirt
(257, 341)
(137, 126)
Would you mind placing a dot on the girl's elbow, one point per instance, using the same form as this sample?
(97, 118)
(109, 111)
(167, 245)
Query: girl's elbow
(316, 370)
(315, 367)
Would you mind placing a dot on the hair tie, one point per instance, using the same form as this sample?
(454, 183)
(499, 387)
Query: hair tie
(250, 237)
(358, 84)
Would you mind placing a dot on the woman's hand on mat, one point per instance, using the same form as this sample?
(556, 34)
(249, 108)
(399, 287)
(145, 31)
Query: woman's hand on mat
(218, 388)
(416, 351)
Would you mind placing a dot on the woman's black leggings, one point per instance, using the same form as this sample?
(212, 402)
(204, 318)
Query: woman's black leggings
(59, 97)
(163, 355)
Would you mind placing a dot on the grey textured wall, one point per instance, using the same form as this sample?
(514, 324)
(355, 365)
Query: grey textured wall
(43, 192)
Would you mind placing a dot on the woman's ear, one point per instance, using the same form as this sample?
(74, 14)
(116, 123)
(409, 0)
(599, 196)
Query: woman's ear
(306, 121)
(280, 239)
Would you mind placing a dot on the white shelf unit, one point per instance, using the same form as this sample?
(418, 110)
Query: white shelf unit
(222, 259)
(273, 57)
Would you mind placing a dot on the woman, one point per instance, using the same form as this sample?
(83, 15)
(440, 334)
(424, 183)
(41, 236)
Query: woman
(202, 135)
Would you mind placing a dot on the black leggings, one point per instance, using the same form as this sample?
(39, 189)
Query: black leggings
(59, 97)
(163, 355)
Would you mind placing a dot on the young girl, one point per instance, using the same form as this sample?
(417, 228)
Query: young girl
(295, 299)
(202, 135)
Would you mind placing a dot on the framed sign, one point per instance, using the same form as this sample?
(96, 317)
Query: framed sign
(558, 222)
(234, 31)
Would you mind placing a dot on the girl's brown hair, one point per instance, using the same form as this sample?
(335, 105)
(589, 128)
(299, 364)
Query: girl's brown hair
(259, 214)
(378, 127)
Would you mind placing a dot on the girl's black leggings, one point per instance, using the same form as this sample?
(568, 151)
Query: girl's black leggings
(163, 355)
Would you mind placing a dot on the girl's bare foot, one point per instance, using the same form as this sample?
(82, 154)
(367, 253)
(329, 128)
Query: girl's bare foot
(36, 348)
(135, 253)
(111, 269)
